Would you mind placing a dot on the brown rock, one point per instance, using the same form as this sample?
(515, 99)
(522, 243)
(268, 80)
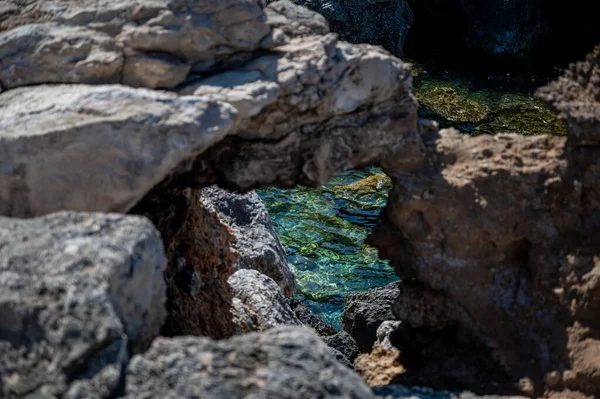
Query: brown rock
(380, 367)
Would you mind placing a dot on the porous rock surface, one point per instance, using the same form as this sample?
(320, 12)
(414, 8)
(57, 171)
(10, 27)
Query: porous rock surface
(504, 230)
(295, 20)
(365, 311)
(304, 105)
(77, 293)
(259, 303)
(286, 362)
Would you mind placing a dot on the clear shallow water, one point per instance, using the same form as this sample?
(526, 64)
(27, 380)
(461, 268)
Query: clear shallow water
(323, 230)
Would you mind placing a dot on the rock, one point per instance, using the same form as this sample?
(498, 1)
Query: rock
(385, 332)
(260, 296)
(210, 234)
(288, 363)
(380, 367)
(295, 20)
(574, 97)
(256, 242)
(500, 232)
(311, 82)
(339, 356)
(402, 392)
(309, 319)
(99, 148)
(154, 71)
(76, 291)
(449, 104)
(53, 53)
(158, 42)
(344, 343)
(365, 311)
(384, 23)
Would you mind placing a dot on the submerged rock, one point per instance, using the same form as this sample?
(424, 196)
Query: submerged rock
(77, 292)
(285, 363)
(365, 311)
(448, 103)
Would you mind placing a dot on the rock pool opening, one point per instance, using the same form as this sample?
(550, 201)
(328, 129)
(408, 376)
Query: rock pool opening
(323, 230)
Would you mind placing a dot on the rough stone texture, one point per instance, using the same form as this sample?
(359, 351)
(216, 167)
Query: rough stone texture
(344, 343)
(502, 231)
(97, 148)
(309, 319)
(380, 367)
(260, 297)
(382, 22)
(285, 363)
(575, 96)
(295, 20)
(385, 332)
(53, 53)
(505, 27)
(365, 311)
(200, 260)
(311, 108)
(76, 291)
(256, 242)
(44, 41)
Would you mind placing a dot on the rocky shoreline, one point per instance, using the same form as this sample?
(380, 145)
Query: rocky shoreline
(125, 271)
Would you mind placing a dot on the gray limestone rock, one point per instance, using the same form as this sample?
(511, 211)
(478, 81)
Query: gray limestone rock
(285, 363)
(256, 242)
(261, 302)
(97, 148)
(76, 291)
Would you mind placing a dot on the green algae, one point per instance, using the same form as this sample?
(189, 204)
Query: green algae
(479, 106)
(323, 231)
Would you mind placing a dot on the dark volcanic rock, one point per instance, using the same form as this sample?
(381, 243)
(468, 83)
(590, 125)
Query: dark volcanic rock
(77, 292)
(344, 343)
(308, 318)
(365, 311)
(261, 302)
(286, 363)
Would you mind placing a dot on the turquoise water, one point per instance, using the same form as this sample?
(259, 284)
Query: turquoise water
(323, 231)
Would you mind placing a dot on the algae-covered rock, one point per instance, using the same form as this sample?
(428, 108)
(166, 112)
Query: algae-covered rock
(378, 182)
(452, 105)
(528, 119)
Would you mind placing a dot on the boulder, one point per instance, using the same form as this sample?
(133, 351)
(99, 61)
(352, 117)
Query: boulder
(286, 362)
(77, 293)
(261, 302)
(343, 343)
(256, 242)
(295, 20)
(306, 112)
(150, 43)
(365, 311)
(97, 148)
